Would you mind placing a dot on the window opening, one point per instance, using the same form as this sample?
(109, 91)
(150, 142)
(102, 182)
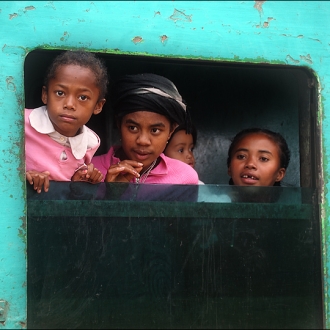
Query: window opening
(110, 262)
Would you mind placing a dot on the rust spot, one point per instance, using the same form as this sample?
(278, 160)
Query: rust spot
(258, 5)
(11, 16)
(163, 38)
(180, 16)
(266, 24)
(137, 39)
(157, 13)
(65, 36)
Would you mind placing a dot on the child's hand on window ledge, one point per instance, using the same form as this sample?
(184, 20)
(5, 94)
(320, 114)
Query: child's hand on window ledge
(38, 180)
(88, 173)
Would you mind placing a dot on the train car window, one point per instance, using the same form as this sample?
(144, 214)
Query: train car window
(123, 255)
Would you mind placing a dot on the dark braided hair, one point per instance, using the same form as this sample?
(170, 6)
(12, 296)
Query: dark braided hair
(85, 60)
(277, 138)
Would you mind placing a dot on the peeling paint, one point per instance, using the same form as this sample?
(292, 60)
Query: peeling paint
(11, 16)
(163, 38)
(137, 39)
(258, 5)
(180, 16)
(306, 58)
(289, 58)
(30, 8)
(157, 13)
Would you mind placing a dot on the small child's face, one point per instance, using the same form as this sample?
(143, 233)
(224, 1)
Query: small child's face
(71, 98)
(255, 161)
(181, 147)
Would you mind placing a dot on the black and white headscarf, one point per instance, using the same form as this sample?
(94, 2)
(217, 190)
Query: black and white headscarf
(148, 92)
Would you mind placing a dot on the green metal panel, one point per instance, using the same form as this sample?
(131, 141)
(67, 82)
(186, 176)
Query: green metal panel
(291, 33)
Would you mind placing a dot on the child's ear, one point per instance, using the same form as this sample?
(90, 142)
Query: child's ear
(99, 106)
(280, 174)
(44, 96)
(229, 171)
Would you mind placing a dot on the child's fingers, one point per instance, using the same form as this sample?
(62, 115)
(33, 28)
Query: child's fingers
(121, 173)
(96, 176)
(79, 175)
(124, 170)
(130, 164)
(46, 183)
(29, 178)
(38, 181)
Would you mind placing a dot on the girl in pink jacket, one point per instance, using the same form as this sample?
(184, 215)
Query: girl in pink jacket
(58, 145)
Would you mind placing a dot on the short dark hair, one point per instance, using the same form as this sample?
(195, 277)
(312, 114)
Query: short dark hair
(84, 59)
(183, 127)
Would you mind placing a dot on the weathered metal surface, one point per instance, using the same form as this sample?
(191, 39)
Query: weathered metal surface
(273, 32)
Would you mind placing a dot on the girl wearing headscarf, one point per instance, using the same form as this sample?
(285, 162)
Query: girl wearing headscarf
(147, 108)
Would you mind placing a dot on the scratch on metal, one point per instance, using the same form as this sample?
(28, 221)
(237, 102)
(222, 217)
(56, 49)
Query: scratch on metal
(291, 59)
(306, 58)
(10, 84)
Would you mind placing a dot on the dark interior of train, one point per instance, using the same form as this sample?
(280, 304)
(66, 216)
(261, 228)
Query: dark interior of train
(223, 98)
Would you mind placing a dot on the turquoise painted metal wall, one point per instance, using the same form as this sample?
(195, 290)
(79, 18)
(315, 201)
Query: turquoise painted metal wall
(276, 32)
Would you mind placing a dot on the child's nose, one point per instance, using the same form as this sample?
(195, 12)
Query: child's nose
(143, 138)
(69, 102)
(189, 155)
(250, 163)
